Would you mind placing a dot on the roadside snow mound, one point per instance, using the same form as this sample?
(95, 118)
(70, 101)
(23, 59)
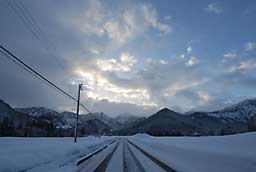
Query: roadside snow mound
(45, 154)
(141, 135)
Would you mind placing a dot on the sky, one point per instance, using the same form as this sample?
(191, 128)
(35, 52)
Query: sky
(132, 56)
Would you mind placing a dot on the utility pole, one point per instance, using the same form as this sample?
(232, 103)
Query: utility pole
(77, 111)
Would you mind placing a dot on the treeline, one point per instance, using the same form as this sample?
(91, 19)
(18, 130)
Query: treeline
(31, 128)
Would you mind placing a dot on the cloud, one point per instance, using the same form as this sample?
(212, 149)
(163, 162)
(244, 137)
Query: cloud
(182, 56)
(163, 62)
(124, 64)
(192, 61)
(114, 108)
(243, 66)
(249, 46)
(189, 93)
(204, 97)
(124, 83)
(100, 87)
(230, 55)
(167, 17)
(151, 16)
(94, 51)
(163, 82)
(189, 49)
(124, 29)
(133, 22)
(92, 19)
(214, 8)
(120, 26)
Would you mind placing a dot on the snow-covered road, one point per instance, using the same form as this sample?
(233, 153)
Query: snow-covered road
(144, 153)
(123, 155)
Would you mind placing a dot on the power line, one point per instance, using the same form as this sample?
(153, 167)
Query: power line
(35, 73)
(37, 26)
(8, 56)
(20, 10)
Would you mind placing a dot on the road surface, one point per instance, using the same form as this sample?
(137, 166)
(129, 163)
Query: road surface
(122, 155)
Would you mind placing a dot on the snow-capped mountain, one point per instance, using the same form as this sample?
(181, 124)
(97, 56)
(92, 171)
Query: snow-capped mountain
(14, 123)
(37, 111)
(243, 111)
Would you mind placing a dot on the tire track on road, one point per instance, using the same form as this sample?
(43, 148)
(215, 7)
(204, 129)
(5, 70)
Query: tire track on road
(103, 165)
(157, 161)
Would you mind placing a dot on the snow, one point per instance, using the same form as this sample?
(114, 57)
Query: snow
(146, 163)
(45, 154)
(93, 162)
(116, 162)
(233, 153)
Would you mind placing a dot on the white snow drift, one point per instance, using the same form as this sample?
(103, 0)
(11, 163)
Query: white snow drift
(45, 154)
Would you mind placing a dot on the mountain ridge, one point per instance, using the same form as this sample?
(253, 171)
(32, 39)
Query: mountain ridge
(237, 118)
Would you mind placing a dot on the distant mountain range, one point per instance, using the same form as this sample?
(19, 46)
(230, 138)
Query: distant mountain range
(40, 121)
(237, 118)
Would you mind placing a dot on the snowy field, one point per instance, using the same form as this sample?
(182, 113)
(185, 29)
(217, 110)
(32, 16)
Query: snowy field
(235, 153)
(45, 154)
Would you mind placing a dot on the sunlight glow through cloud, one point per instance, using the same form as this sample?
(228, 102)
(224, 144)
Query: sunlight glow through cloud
(97, 87)
(124, 64)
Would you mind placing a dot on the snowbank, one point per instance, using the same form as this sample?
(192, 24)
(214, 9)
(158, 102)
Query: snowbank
(45, 154)
(141, 135)
(235, 153)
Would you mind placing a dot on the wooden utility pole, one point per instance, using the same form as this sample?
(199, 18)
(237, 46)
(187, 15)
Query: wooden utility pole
(77, 111)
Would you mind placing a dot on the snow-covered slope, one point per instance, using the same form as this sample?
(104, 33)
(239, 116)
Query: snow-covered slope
(242, 111)
(36, 111)
(234, 153)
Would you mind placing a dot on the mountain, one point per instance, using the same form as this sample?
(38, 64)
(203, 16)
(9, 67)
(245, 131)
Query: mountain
(110, 122)
(168, 122)
(14, 123)
(42, 113)
(68, 118)
(40, 121)
(243, 111)
(161, 123)
(126, 118)
(37, 111)
(92, 123)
